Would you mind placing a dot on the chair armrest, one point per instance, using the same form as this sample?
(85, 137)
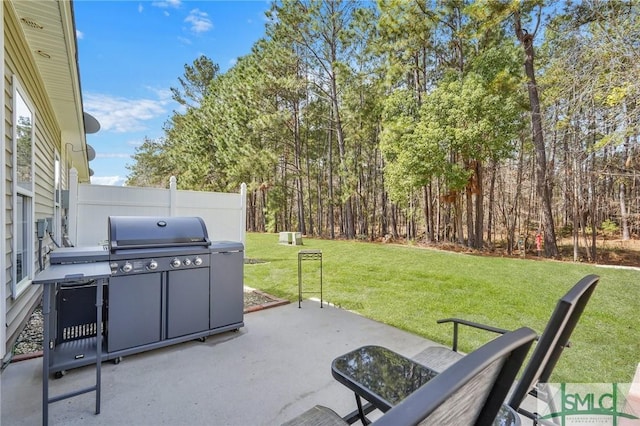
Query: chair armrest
(472, 324)
(456, 321)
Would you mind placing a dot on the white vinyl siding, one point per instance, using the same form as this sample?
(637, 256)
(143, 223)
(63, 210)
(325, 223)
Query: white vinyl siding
(3, 212)
(19, 64)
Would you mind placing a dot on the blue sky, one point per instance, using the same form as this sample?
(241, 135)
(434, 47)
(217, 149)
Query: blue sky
(132, 52)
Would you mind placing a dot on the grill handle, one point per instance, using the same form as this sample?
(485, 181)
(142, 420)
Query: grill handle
(114, 245)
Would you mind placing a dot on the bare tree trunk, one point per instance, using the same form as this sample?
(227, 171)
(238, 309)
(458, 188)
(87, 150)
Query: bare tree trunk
(298, 165)
(428, 212)
(623, 212)
(458, 213)
(576, 209)
(319, 180)
(470, 231)
(542, 185)
(516, 199)
(394, 221)
(593, 208)
(384, 204)
(374, 195)
(479, 208)
(438, 215)
(308, 176)
(492, 187)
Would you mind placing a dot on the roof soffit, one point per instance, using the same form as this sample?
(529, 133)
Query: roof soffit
(49, 30)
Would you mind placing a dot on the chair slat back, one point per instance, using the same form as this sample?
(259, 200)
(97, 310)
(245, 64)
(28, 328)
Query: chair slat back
(554, 338)
(471, 391)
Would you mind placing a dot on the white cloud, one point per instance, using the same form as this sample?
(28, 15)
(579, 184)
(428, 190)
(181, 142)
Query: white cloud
(140, 8)
(175, 4)
(108, 180)
(79, 35)
(112, 155)
(184, 40)
(163, 94)
(199, 21)
(122, 115)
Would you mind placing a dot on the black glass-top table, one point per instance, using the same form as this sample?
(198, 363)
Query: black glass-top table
(384, 378)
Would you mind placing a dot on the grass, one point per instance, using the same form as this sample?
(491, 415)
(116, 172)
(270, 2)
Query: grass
(410, 288)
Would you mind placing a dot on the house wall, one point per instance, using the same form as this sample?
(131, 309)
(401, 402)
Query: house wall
(3, 204)
(19, 62)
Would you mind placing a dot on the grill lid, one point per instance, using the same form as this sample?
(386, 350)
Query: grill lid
(141, 232)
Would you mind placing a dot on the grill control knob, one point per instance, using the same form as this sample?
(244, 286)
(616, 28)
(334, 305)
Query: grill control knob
(152, 265)
(197, 261)
(127, 267)
(175, 263)
(187, 262)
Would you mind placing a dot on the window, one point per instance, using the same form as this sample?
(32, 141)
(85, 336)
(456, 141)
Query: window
(22, 232)
(23, 176)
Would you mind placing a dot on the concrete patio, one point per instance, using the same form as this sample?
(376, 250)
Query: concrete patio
(273, 369)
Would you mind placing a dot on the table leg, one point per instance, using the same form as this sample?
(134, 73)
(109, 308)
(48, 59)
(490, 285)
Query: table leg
(99, 289)
(46, 311)
(299, 281)
(363, 417)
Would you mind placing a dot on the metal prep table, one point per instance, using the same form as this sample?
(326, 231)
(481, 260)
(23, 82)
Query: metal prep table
(55, 278)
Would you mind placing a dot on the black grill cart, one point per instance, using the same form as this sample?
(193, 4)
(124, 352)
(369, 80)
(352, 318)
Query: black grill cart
(57, 279)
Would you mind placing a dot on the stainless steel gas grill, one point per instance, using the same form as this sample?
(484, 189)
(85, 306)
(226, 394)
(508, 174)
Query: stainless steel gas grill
(169, 283)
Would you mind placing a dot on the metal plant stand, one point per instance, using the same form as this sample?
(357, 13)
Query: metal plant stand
(308, 255)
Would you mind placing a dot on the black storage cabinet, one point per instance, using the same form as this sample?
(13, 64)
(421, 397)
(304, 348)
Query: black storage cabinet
(227, 284)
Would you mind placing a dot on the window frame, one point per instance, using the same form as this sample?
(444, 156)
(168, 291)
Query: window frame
(57, 197)
(28, 195)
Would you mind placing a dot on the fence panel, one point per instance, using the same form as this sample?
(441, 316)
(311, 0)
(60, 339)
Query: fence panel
(91, 205)
(220, 211)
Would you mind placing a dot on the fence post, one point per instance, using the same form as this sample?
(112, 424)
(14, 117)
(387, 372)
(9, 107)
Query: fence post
(243, 215)
(172, 195)
(73, 206)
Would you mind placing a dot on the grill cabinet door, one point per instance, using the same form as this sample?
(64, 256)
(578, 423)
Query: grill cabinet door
(187, 302)
(134, 311)
(227, 288)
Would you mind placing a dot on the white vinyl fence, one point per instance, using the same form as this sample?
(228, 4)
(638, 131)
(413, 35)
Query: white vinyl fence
(91, 205)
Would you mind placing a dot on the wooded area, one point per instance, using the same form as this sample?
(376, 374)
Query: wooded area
(441, 121)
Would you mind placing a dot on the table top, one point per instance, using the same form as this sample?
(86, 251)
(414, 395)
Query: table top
(73, 272)
(379, 375)
(384, 378)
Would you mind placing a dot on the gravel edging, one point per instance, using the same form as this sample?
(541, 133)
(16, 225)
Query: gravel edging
(267, 301)
(29, 343)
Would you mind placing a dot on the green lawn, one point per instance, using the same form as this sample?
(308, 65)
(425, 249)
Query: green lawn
(410, 288)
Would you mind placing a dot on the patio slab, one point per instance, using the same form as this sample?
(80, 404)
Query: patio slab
(273, 369)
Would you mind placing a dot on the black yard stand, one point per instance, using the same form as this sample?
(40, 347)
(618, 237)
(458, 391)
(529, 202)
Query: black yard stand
(308, 255)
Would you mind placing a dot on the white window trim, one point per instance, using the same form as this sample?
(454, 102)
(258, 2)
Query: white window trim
(57, 197)
(17, 288)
